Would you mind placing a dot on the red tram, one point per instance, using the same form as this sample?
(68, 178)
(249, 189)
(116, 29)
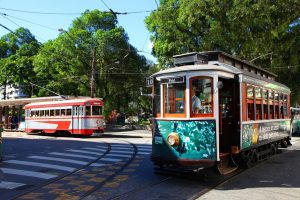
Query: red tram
(243, 112)
(78, 116)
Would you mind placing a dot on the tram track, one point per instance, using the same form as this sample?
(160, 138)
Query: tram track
(81, 175)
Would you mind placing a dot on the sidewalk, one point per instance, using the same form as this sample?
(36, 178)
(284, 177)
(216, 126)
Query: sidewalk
(276, 178)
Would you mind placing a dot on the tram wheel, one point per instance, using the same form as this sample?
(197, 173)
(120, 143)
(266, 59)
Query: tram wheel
(283, 143)
(252, 158)
(273, 148)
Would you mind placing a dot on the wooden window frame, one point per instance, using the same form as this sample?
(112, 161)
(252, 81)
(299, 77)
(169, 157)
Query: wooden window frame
(173, 115)
(192, 115)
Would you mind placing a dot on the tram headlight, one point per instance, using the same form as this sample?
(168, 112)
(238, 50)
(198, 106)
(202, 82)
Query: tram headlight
(173, 139)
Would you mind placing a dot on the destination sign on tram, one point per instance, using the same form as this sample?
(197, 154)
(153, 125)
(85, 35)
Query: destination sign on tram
(172, 80)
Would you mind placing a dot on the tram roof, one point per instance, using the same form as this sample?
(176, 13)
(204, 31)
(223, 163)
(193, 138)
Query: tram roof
(77, 101)
(217, 66)
(24, 101)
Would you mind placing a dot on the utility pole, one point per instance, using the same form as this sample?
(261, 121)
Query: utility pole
(93, 87)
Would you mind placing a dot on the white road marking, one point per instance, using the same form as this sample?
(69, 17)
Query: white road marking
(97, 164)
(147, 150)
(27, 173)
(114, 151)
(120, 148)
(73, 155)
(59, 159)
(118, 155)
(86, 152)
(144, 153)
(20, 162)
(111, 159)
(121, 145)
(10, 185)
(95, 149)
(145, 147)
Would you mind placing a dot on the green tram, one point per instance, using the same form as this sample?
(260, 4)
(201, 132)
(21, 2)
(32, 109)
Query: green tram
(241, 112)
(295, 129)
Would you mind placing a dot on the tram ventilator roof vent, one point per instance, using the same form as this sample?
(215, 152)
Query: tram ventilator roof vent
(193, 58)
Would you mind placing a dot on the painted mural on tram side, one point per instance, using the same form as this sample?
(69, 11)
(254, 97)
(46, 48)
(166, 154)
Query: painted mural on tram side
(197, 139)
(258, 132)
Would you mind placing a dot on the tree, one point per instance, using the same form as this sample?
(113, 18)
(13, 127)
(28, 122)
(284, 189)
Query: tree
(16, 57)
(245, 28)
(66, 63)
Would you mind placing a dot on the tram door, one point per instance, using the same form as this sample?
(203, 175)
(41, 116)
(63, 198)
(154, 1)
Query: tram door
(228, 114)
(76, 120)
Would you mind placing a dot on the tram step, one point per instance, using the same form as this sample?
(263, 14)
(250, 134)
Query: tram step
(226, 164)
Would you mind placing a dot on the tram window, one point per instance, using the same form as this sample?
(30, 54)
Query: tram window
(257, 93)
(250, 103)
(157, 98)
(57, 112)
(174, 98)
(201, 95)
(51, 112)
(280, 105)
(265, 104)
(271, 103)
(250, 111)
(69, 112)
(285, 106)
(63, 112)
(258, 101)
(46, 113)
(88, 110)
(276, 105)
(42, 113)
(250, 91)
(32, 113)
(265, 109)
(96, 110)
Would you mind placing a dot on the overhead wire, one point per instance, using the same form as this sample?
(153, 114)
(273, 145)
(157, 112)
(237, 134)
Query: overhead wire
(40, 13)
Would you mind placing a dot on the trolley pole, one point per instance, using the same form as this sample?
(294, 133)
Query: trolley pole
(93, 87)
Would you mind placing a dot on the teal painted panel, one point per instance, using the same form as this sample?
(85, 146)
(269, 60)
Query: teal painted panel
(197, 139)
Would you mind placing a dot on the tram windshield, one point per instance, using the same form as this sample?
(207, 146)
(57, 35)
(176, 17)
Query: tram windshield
(201, 95)
(174, 98)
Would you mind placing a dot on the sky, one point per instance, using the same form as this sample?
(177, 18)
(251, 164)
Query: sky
(19, 13)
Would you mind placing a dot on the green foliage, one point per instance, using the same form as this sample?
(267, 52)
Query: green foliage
(16, 57)
(65, 64)
(248, 29)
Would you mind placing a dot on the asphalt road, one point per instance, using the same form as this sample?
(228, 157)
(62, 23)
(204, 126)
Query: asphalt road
(275, 178)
